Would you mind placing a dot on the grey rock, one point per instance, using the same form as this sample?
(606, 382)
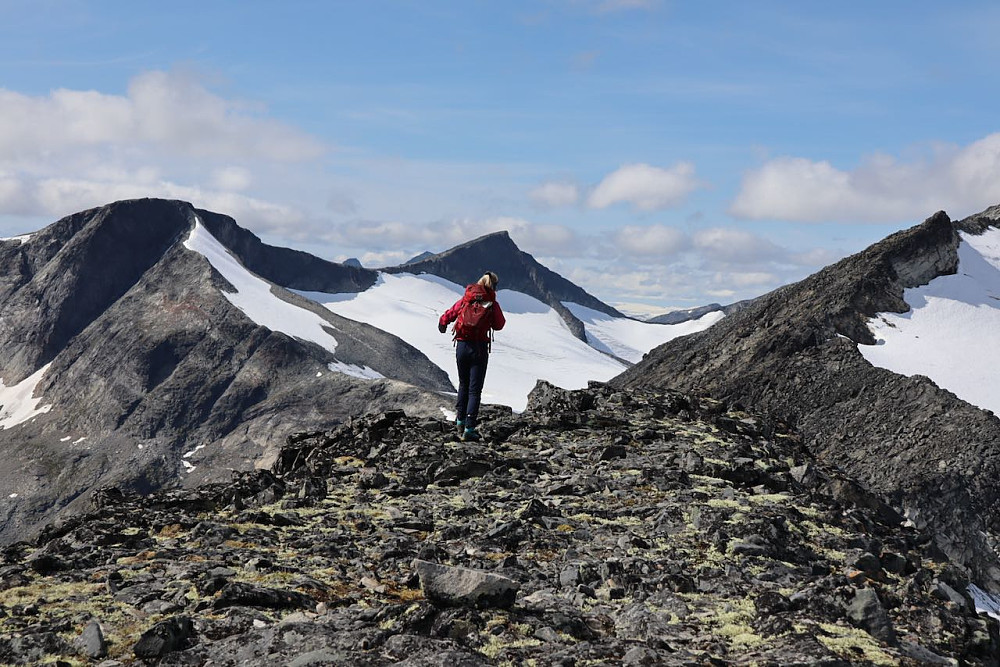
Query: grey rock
(165, 637)
(922, 655)
(642, 655)
(805, 475)
(464, 586)
(322, 657)
(246, 595)
(945, 592)
(868, 563)
(91, 642)
(866, 612)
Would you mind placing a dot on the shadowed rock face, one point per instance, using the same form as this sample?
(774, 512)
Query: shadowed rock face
(517, 270)
(153, 372)
(794, 352)
(598, 527)
(289, 268)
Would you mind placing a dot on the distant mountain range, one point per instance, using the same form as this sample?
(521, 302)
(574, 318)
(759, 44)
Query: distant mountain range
(148, 344)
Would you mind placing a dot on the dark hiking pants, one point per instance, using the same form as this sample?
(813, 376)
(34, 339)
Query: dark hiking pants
(472, 359)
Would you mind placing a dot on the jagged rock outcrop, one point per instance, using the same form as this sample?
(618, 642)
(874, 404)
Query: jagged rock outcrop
(517, 270)
(153, 376)
(604, 527)
(687, 314)
(794, 353)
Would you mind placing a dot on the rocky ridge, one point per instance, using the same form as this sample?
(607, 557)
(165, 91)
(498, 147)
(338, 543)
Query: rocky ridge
(599, 527)
(794, 353)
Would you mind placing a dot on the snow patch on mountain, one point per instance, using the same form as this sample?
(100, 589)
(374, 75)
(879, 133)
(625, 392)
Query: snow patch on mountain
(254, 297)
(630, 339)
(24, 238)
(17, 402)
(950, 332)
(535, 344)
(362, 373)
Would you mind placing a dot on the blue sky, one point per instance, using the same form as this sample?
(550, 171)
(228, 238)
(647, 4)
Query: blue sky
(658, 153)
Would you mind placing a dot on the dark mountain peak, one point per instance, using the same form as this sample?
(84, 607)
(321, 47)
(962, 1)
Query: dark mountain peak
(77, 267)
(795, 353)
(419, 257)
(517, 270)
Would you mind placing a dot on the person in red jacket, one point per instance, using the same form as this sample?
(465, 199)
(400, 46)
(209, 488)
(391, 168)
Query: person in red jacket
(476, 315)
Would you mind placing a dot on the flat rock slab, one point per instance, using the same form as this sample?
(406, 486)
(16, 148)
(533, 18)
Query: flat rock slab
(460, 586)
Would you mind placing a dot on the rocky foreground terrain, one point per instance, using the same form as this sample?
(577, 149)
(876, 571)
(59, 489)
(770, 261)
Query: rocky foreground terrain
(600, 527)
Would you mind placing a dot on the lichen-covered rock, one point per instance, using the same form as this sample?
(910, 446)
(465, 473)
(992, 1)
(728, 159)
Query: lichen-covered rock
(697, 545)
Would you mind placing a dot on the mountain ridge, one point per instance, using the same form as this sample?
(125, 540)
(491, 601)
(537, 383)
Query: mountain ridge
(794, 352)
(153, 376)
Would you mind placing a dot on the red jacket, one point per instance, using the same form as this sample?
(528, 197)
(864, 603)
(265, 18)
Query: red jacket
(452, 313)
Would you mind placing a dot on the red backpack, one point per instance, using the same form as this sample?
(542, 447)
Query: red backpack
(475, 320)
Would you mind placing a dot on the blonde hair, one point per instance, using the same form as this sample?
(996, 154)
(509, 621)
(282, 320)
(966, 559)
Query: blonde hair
(489, 279)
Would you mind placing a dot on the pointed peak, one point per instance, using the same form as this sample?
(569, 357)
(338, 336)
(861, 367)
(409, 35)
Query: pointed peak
(501, 239)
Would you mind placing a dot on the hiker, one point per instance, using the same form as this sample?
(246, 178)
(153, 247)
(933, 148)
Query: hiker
(475, 315)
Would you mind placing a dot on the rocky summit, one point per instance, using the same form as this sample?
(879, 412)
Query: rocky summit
(599, 527)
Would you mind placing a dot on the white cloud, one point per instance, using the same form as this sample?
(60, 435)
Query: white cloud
(70, 150)
(646, 187)
(651, 241)
(736, 246)
(554, 194)
(960, 180)
(231, 178)
(169, 111)
(54, 197)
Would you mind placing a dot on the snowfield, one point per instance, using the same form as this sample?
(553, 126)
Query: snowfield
(631, 339)
(950, 334)
(536, 343)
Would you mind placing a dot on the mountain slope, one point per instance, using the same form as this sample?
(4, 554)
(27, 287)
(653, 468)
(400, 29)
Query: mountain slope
(795, 352)
(130, 361)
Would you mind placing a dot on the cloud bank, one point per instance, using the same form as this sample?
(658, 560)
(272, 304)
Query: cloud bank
(960, 180)
(71, 150)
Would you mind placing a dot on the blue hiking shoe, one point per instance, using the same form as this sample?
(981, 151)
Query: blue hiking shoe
(471, 435)
(460, 425)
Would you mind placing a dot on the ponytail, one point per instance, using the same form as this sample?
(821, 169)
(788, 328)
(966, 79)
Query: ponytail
(490, 280)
